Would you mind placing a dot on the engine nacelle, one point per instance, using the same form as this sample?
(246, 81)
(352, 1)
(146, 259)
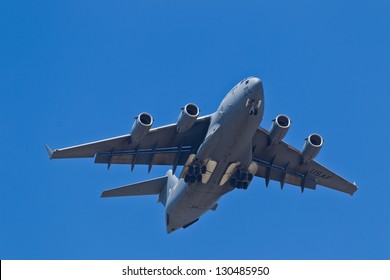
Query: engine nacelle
(142, 124)
(312, 147)
(187, 117)
(279, 128)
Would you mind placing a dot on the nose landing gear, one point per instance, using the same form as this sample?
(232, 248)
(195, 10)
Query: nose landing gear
(253, 111)
(254, 106)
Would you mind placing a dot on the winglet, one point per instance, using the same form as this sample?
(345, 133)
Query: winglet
(49, 151)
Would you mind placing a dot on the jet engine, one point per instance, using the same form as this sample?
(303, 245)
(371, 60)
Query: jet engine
(142, 124)
(312, 147)
(187, 117)
(279, 128)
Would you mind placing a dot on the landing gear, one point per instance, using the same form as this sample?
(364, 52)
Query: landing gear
(239, 176)
(253, 111)
(254, 106)
(241, 179)
(243, 176)
(194, 172)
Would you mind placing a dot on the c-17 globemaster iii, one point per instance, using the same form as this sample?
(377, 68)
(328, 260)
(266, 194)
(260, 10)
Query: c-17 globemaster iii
(219, 152)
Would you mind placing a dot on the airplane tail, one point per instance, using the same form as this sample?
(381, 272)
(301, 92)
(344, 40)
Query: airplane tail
(172, 181)
(158, 186)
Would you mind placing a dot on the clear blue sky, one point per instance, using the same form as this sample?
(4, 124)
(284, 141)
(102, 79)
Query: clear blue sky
(78, 71)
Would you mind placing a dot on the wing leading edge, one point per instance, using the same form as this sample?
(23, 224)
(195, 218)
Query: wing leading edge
(281, 162)
(161, 146)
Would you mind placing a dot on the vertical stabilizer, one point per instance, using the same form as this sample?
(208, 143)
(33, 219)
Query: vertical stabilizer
(166, 189)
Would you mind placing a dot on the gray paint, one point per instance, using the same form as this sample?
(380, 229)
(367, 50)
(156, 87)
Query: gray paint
(230, 135)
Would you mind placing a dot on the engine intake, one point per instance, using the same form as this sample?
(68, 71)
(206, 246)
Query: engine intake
(279, 128)
(312, 147)
(187, 117)
(142, 124)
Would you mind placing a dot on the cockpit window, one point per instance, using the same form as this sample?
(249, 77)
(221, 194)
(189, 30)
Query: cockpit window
(246, 80)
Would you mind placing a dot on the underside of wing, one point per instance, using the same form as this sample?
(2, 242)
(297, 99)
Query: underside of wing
(163, 146)
(281, 162)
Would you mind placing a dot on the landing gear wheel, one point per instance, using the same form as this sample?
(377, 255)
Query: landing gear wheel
(196, 170)
(204, 169)
(232, 182)
(190, 169)
(193, 179)
(199, 178)
(245, 185)
(187, 178)
(250, 176)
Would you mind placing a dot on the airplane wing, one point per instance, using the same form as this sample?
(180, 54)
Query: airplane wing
(162, 146)
(281, 162)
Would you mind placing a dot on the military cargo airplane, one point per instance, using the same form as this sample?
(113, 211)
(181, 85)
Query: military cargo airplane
(219, 152)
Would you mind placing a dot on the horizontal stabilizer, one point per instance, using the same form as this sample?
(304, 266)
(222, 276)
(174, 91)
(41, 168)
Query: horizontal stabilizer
(49, 151)
(143, 188)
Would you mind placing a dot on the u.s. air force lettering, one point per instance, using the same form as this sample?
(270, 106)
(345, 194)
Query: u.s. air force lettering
(320, 174)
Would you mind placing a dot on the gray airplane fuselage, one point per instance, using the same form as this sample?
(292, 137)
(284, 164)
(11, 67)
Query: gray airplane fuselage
(228, 140)
(219, 152)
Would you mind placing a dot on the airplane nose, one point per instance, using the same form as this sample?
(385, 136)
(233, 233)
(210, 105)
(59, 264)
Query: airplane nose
(254, 96)
(257, 82)
(257, 87)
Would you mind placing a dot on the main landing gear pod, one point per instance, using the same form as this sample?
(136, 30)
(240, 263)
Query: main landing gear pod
(196, 171)
(238, 176)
